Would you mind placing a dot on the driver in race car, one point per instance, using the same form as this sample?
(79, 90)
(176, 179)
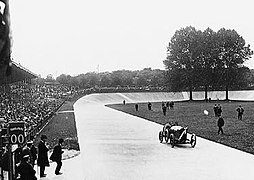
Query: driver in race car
(167, 126)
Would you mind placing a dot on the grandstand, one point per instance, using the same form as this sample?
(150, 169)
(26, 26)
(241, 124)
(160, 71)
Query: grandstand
(14, 104)
(30, 105)
(18, 73)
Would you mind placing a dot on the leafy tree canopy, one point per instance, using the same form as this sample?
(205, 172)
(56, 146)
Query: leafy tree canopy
(205, 59)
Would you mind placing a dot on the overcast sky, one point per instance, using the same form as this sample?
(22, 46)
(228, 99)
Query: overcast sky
(79, 36)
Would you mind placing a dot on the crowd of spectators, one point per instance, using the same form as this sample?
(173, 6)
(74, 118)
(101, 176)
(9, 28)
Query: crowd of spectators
(35, 104)
(32, 104)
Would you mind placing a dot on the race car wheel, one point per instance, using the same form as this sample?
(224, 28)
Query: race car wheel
(193, 140)
(160, 136)
(166, 136)
(172, 140)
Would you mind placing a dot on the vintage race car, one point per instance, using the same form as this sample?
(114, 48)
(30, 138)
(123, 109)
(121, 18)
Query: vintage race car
(176, 134)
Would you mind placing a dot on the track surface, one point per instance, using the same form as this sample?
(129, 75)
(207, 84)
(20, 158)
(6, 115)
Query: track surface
(115, 145)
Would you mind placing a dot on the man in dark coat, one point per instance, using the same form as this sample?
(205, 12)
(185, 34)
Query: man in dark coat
(240, 111)
(136, 107)
(164, 109)
(57, 156)
(219, 110)
(220, 124)
(149, 105)
(43, 155)
(171, 104)
(215, 109)
(25, 169)
(33, 150)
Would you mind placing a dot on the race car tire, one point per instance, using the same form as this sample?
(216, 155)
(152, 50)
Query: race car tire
(172, 140)
(166, 135)
(161, 136)
(193, 140)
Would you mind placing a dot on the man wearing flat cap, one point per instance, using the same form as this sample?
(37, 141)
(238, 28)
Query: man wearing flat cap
(42, 160)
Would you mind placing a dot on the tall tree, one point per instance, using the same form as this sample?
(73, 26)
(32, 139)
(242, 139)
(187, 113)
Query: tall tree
(116, 77)
(233, 53)
(206, 59)
(62, 79)
(183, 52)
(157, 78)
(105, 79)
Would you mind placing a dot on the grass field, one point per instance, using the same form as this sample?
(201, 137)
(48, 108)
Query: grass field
(237, 134)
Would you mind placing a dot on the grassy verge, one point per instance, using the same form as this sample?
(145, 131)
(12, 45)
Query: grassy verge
(62, 125)
(237, 134)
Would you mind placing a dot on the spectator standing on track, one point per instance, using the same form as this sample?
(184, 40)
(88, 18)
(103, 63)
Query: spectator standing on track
(171, 104)
(136, 107)
(220, 124)
(162, 104)
(240, 111)
(215, 109)
(56, 156)
(219, 110)
(149, 106)
(164, 109)
(167, 104)
(43, 155)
